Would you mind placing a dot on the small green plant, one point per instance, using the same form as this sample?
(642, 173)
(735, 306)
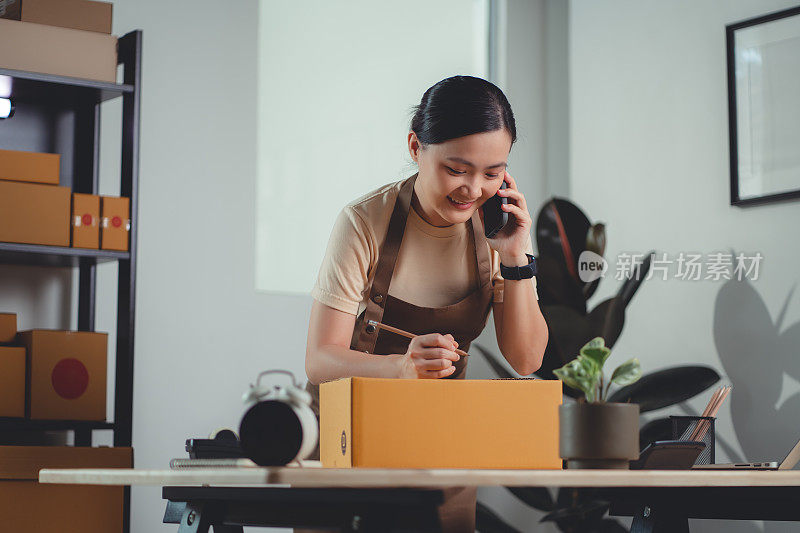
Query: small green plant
(585, 372)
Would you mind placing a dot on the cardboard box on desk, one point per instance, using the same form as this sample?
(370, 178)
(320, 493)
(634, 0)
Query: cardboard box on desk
(8, 327)
(66, 374)
(27, 505)
(33, 167)
(34, 214)
(12, 381)
(76, 14)
(439, 423)
(59, 51)
(85, 221)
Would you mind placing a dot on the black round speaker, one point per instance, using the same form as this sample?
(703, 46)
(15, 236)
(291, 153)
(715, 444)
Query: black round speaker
(271, 433)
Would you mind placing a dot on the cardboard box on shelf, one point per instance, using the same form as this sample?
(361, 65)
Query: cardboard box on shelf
(34, 214)
(8, 327)
(59, 51)
(76, 14)
(85, 221)
(115, 223)
(33, 167)
(439, 423)
(12, 381)
(66, 374)
(28, 505)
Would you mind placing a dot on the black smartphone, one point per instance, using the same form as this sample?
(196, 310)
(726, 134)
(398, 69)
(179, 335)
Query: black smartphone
(494, 218)
(669, 455)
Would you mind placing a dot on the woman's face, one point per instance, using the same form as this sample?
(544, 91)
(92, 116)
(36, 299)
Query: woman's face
(457, 176)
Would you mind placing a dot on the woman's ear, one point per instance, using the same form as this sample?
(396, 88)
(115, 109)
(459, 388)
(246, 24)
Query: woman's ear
(414, 146)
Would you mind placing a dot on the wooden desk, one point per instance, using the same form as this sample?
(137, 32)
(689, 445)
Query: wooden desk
(363, 499)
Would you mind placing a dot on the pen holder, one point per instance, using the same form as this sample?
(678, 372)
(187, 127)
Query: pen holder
(684, 426)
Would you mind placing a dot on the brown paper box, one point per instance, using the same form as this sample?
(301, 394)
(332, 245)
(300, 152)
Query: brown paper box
(12, 381)
(27, 505)
(115, 223)
(85, 221)
(34, 214)
(32, 167)
(76, 14)
(439, 423)
(58, 51)
(8, 327)
(66, 374)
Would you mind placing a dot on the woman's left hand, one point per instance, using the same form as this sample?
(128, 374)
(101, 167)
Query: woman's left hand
(514, 239)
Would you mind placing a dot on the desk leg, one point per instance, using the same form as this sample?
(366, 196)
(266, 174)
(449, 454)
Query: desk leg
(650, 520)
(193, 520)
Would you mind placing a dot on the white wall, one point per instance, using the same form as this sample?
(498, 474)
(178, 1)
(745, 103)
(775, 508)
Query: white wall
(649, 156)
(334, 109)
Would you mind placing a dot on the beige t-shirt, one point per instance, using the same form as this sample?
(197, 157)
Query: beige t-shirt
(436, 266)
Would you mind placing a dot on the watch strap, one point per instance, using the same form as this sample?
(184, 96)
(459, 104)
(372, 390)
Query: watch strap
(519, 272)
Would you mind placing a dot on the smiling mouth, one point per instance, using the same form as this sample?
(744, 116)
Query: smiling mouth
(460, 205)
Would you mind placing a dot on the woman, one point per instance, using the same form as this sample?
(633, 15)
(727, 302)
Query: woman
(413, 255)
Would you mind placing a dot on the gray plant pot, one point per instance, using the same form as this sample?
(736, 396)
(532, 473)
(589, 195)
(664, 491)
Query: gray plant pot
(598, 435)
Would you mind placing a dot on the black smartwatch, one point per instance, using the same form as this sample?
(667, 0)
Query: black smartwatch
(519, 272)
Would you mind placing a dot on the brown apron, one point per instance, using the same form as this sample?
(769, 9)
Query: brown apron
(464, 319)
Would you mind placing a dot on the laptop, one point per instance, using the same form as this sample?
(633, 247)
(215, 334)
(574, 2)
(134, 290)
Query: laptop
(787, 464)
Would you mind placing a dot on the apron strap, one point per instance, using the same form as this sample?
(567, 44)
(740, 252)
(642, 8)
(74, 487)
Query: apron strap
(384, 270)
(481, 251)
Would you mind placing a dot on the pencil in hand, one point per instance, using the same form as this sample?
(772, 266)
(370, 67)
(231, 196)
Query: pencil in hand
(406, 334)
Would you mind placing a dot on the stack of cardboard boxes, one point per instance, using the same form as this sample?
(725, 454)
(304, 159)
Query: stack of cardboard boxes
(52, 375)
(35, 210)
(66, 38)
(47, 374)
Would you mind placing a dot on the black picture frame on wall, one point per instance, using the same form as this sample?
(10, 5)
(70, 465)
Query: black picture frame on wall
(763, 57)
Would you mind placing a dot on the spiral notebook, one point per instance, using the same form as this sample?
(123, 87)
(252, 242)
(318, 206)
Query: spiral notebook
(181, 463)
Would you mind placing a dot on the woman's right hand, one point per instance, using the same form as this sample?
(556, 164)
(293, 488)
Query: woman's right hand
(429, 356)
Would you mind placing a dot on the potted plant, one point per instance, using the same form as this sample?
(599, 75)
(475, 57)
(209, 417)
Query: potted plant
(594, 433)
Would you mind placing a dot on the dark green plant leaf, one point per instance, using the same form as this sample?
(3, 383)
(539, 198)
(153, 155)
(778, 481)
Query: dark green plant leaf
(626, 373)
(560, 283)
(584, 514)
(556, 287)
(581, 373)
(607, 319)
(596, 239)
(569, 332)
(631, 285)
(595, 242)
(598, 354)
(553, 359)
(597, 342)
(609, 525)
(667, 387)
(568, 378)
(658, 429)
(536, 497)
(487, 521)
(494, 362)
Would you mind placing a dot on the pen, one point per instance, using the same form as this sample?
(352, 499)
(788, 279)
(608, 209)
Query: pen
(406, 334)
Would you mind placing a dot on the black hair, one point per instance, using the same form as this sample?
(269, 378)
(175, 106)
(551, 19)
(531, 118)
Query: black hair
(459, 106)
